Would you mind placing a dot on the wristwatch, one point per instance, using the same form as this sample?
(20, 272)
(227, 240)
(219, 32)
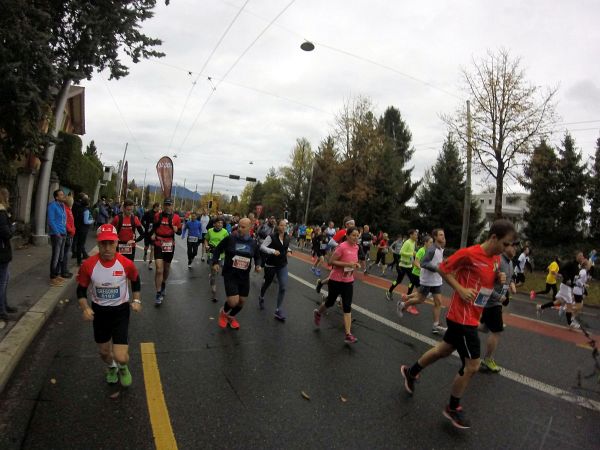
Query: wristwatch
(137, 301)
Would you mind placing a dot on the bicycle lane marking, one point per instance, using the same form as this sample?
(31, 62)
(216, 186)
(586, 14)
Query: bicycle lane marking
(506, 373)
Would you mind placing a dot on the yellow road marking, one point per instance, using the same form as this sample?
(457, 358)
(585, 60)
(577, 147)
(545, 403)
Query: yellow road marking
(164, 439)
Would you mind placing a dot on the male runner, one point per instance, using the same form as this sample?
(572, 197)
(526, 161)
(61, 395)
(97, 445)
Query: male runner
(239, 251)
(472, 273)
(193, 228)
(126, 223)
(215, 235)
(204, 221)
(166, 225)
(148, 222)
(106, 274)
(366, 240)
(404, 267)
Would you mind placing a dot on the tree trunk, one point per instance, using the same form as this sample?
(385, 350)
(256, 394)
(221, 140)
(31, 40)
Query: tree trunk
(499, 191)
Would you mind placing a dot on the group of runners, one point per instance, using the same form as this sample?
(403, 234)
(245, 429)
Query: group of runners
(481, 277)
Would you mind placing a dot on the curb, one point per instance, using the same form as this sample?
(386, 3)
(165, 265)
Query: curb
(15, 343)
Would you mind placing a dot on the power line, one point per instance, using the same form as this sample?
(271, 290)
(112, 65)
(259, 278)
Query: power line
(202, 70)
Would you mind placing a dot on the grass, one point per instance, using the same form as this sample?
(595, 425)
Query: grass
(537, 281)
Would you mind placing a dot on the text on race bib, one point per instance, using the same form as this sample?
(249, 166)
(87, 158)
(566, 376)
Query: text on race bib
(482, 297)
(108, 293)
(241, 262)
(167, 246)
(125, 249)
(192, 238)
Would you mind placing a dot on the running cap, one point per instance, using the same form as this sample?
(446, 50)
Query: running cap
(168, 201)
(107, 232)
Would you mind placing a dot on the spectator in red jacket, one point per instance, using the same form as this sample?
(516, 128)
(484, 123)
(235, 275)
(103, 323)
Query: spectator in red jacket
(69, 238)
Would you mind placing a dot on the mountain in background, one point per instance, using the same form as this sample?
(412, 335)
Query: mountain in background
(181, 192)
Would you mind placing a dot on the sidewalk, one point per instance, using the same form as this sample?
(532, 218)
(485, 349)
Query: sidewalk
(29, 291)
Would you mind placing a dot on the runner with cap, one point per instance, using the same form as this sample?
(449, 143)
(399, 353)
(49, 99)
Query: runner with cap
(106, 275)
(166, 225)
(126, 224)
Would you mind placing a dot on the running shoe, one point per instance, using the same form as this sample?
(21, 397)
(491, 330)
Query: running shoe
(438, 329)
(112, 375)
(491, 365)
(189, 265)
(409, 381)
(163, 288)
(261, 303)
(319, 286)
(150, 265)
(400, 308)
(350, 339)
(318, 272)
(317, 318)
(412, 310)
(532, 295)
(233, 323)
(561, 311)
(222, 321)
(280, 315)
(125, 376)
(457, 417)
(389, 295)
(159, 299)
(312, 269)
(575, 325)
(538, 311)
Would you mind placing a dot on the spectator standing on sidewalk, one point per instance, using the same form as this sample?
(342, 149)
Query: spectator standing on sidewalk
(103, 216)
(83, 220)
(57, 230)
(6, 233)
(64, 264)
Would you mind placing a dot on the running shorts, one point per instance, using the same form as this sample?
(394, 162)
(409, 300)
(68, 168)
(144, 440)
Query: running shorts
(492, 318)
(578, 298)
(433, 290)
(234, 285)
(342, 289)
(165, 256)
(147, 239)
(131, 254)
(111, 322)
(565, 293)
(464, 339)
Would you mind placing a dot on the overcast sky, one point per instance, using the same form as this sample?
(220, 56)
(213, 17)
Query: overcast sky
(277, 93)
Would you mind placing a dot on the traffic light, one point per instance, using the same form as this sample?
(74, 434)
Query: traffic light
(234, 177)
(251, 179)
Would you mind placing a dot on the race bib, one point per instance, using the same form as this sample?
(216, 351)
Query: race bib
(323, 246)
(241, 262)
(167, 246)
(482, 297)
(504, 291)
(108, 293)
(192, 238)
(125, 249)
(348, 271)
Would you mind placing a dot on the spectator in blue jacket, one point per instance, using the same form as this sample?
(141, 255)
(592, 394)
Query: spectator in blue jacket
(57, 230)
(103, 216)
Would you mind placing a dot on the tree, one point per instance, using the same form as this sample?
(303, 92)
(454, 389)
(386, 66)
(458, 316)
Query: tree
(295, 178)
(273, 199)
(508, 114)
(326, 184)
(256, 198)
(440, 198)
(91, 152)
(245, 199)
(541, 178)
(572, 187)
(594, 194)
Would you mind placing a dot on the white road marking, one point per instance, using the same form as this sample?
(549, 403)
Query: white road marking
(514, 376)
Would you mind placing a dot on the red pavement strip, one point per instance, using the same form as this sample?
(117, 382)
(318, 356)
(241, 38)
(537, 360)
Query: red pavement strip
(523, 323)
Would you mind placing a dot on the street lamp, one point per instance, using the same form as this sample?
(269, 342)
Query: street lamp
(307, 46)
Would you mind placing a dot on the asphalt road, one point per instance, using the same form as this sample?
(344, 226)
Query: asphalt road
(243, 389)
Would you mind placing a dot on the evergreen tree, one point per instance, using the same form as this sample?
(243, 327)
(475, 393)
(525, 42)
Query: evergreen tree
(326, 184)
(542, 180)
(572, 186)
(594, 194)
(440, 199)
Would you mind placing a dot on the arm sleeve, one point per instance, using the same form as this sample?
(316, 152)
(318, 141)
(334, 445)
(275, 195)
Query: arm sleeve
(87, 217)
(427, 258)
(81, 291)
(52, 219)
(136, 285)
(184, 230)
(265, 246)
(84, 276)
(130, 269)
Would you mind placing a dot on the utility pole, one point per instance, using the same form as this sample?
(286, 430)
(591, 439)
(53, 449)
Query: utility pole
(196, 191)
(181, 206)
(121, 174)
(312, 168)
(467, 205)
(175, 198)
(143, 187)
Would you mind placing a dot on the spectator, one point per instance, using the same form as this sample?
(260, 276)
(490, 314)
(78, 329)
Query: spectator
(70, 222)
(103, 213)
(57, 226)
(6, 232)
(83, 220)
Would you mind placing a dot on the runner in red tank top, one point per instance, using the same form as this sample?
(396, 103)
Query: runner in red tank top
(126, 224)
(472, 273)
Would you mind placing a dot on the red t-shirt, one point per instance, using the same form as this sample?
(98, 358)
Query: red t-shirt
(70, 221)
(107, 279)
(127, 232)
(339, 236)
(473, 269)
(164, 231)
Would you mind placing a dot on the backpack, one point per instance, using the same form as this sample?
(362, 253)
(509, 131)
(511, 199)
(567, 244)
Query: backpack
(162, 214)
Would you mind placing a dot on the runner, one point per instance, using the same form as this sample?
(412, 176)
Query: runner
(275, 249)
(301, 235)
(520, 267)
(213, 237)
(148, 223)
(491, 318)
(106, 274)
(395, 248)
(166, 225)
(344, 261)
(404, 267)
(193, 228)
(382, 251)
(336, 240)
(365, 241)
(239, 250)
(579, 290)
(309, 235)
(204, 221)
(430, 281)
(552, 269)
(472, 273)
(126, 223)
(320, 250)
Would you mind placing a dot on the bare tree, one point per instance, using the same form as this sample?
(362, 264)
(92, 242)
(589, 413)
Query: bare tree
(508, 115)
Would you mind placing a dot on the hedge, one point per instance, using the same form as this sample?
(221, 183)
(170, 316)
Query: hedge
(74, 170)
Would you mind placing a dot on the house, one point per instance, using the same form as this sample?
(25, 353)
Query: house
(514, 207)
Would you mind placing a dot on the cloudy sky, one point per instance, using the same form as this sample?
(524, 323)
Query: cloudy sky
(264, 96)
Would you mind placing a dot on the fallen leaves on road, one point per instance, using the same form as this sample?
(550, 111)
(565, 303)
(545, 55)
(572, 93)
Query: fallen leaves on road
(53, 380)
(61, 302)
(343, 399)
(211, 318)
(115, 395)
(305, 395)
(66, 300)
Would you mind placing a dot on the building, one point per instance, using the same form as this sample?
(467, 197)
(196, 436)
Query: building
(514, 207)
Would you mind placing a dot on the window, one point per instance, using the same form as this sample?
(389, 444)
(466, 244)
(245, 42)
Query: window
(482, 201)
(489, 201)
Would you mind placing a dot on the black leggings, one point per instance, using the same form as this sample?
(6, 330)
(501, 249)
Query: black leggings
(192, 250)
(80, 238)
(396, 260)
(549, 287)
(339, 288)
(401, 272)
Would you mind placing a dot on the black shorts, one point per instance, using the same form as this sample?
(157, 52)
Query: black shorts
(234, 285)
(492, 318)
(129, 256)
(578, 298)
(166, 257)
(111, 322)
(147, 239)
(344, 290)
(464, 339)
(426, 290)
(362, 254)
(520, 277)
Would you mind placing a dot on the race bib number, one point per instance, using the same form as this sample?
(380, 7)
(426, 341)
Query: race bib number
(348, 271)
(167, 246)
(108, 293)
(125, 249)
(504, 291)
(192, 238)
(241, 262)
(323, 246)
(482, 297)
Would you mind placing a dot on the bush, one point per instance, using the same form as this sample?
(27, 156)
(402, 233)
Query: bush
(75, 170)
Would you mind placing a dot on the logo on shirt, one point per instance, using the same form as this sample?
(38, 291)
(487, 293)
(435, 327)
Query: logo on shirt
(117, 273)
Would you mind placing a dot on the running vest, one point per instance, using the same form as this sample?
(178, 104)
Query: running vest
(282, 247)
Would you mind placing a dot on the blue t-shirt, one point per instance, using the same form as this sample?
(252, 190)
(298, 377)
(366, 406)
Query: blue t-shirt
(302, 230)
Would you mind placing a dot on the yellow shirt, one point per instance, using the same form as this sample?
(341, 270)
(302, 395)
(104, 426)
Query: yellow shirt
(309, 231)
(553, 267)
